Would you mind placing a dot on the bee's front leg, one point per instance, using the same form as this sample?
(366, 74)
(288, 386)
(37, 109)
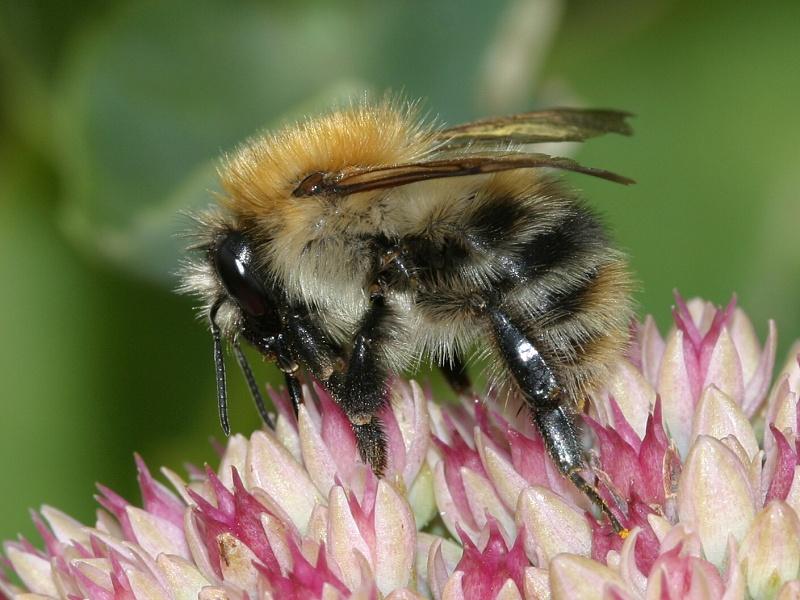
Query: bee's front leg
(362, 393)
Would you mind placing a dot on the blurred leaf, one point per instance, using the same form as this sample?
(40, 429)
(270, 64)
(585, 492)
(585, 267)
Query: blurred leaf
(32, 39)
(155, 93)
(46, 356)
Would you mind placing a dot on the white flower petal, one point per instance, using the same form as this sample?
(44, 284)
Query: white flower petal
(437, 423)
(107, 524)
(509, 591)
(785, 420)
(215, 593)
(156, 535)
(96, 570)
(579, 578)
(659, 525)
(197, 547)
(278, 535)
(436, 569)
(746, 341)
(790, 591)
(482, 499)
(344, 538)
(395, 539)
(447, 507)
(552, 524)
(725, 368)
(758, 383)
(652, 346)
(508, 483)
(718, 415)
(421, 497)
(770, 552)
(414, 423)
(676, 392)
(178, 484)
(404, 594)
(64, 527)
(628, 568)
(788, 380)
(793, 497)
(272, 468)
(236, 561)
(182, 577)
(633, 394)
(714, 496)
(316, 457)
(288, 436)
(537, 583)
(34, 571)
(144, 587)
(318, 524)
(452, 589)
(233, 458)
(735, 581)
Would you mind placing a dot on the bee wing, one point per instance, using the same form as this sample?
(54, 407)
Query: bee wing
(552, 125)
(361, 179)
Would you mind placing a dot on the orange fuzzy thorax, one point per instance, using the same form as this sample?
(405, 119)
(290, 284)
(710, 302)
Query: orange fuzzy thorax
(260, 177)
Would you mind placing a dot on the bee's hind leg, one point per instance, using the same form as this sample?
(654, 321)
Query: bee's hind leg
(543, 396)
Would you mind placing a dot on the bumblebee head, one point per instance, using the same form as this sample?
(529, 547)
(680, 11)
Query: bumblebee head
(238, 301)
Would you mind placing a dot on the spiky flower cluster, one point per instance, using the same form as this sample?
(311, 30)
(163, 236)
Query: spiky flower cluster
(698, 456)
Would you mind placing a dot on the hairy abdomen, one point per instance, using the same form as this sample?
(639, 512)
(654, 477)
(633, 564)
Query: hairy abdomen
(537, 253)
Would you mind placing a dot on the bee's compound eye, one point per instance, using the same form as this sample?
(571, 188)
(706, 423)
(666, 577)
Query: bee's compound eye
(235, 263)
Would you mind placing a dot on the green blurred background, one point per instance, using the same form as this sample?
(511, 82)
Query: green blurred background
(112, 115)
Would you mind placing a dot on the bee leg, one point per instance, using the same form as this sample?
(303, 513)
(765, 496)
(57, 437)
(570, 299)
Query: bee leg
(455, 372)
(545, 399)
(295, 391)
(362, 393)
(312, 347)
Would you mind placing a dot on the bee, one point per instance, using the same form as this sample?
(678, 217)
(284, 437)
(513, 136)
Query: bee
(356, 244)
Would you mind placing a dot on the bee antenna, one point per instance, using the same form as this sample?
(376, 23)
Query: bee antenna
(251, 383)
(219, 368)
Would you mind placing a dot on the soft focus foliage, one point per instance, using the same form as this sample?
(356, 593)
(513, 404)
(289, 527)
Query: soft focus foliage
(113, 113)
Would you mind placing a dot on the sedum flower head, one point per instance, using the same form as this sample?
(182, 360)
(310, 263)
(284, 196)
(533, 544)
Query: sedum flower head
(698, 457)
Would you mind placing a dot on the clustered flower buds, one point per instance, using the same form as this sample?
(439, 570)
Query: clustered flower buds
(696, 454)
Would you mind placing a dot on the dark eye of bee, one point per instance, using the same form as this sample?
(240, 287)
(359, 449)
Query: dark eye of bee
(234, 261)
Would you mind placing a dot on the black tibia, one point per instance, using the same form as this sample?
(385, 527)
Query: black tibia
(362, 392)
(289, 366)
(455, 372)
(295, 390)
(309, 344)
(312, 347)
(544, 398)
